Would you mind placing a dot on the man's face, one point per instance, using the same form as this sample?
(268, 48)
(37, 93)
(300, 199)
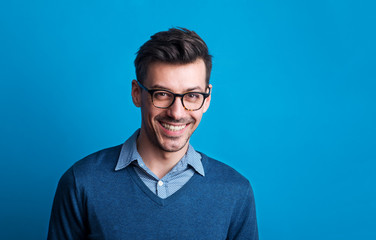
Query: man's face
(170, 129)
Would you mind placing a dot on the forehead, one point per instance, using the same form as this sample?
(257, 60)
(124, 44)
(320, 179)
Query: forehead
(177, 77)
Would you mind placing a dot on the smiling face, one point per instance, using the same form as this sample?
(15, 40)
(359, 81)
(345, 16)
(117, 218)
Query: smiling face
(170, 129)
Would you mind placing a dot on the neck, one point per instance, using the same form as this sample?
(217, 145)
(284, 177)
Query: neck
(160, 162)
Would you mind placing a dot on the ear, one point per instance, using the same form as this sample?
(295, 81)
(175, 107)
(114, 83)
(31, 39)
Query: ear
(207, 100)
(136, 93)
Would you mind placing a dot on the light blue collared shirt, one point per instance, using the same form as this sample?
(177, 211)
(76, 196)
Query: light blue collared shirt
(172, 181)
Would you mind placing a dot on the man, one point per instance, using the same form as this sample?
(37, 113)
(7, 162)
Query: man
(155, 185)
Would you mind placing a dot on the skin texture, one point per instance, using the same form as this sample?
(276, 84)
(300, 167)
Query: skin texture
(160, 147)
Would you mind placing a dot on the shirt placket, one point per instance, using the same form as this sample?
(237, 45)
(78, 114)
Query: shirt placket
(161, 187)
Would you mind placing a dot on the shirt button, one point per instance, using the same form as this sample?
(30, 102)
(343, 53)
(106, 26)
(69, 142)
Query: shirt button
(160, 183)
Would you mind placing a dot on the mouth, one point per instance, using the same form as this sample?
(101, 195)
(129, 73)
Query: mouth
(173, 128)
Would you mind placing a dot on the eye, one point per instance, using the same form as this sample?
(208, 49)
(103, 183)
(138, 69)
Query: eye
(162, 95)
(193, 95)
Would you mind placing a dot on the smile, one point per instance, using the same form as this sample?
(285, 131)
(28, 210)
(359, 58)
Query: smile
(172, 127)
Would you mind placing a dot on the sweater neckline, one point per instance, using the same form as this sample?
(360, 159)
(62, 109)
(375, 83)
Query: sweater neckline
(160, 201)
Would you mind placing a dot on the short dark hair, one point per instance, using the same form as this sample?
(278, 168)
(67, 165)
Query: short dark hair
(176, 46)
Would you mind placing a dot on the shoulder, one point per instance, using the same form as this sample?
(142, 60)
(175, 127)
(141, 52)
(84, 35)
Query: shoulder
(104, 158)
(93, 166)
(217, 168)
(221, 173)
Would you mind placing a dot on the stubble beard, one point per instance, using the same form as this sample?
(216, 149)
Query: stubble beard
(172, 138)
(173, 149)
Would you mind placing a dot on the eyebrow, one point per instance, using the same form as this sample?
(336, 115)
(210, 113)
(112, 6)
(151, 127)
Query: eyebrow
(156, 86)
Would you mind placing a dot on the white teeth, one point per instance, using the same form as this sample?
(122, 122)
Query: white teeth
(173, 128)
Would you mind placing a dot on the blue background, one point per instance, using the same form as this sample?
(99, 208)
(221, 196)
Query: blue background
(293, 103)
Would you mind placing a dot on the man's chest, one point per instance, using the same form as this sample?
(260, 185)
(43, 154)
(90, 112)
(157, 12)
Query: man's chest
(132, 211)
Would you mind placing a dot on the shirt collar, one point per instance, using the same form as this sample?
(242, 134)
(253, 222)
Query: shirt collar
(129, 154)
(193, 159)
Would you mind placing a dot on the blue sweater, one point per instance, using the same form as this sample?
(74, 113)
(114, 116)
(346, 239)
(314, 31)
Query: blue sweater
(93, 201)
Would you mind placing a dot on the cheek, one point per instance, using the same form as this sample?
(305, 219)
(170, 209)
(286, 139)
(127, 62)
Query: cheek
(149, 113)
(146, 115)
(197, 117)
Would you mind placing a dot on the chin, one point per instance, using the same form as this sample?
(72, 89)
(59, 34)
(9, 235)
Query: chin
(173, 145)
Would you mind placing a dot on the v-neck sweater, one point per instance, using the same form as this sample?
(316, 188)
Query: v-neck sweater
(93, 201)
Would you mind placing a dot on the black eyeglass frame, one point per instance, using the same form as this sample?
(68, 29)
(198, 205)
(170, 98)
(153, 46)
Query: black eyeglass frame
(152, 91)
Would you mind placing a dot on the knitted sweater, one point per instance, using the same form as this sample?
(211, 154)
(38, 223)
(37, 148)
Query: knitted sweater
(93, 201)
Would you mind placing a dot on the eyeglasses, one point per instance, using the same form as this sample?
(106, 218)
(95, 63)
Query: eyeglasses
(191, 101)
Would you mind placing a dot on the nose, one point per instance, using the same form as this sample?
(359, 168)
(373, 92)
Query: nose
(176, 110)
